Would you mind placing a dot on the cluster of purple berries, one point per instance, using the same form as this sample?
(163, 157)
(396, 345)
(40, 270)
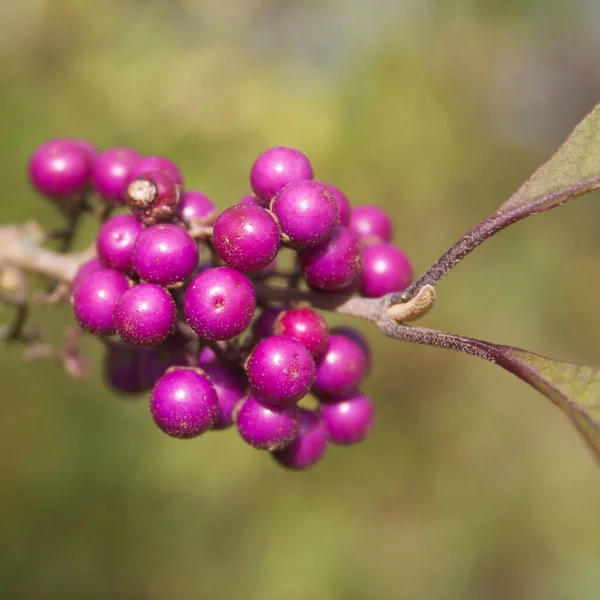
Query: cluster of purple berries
(178, 310)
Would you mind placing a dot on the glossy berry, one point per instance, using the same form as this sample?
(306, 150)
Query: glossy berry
(250, 199)
(196, 207)
(165, 254)
(230, 385)
(305, 325)
(277, 167)
(121, 368)
(95, 298)
(60, 169)
(343, 204)
(84, 270)
(155, 361)
(386, 269)
(309, 446)
(280, 370)
(184, 403)
(86, 146)
(307, 213)
(267, 427)
(153, 197)
(115, 242)
(357, 337)
(340, 368)
(371, 223)
(246, 237)
(264, 324)
(219, 303)
(348, 420)
(336, 264)
(110, 172)
(145, 315)
(155, 163)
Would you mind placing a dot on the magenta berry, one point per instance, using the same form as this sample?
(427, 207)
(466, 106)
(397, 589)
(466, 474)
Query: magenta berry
(184, 403)
(219, 303)
(246, 237)
(84, 270)
(336, 264)
(206, 355)
(110, 172)
(348, 420)
(280, 370)
(145, 315)
(359, 338)
(267, 427)
(115, 242)
(277, 167)
(250, 199)
(86, 146)
(155, 163)
(230, 385)
(310, 445)
(386, 269)
(371, 222)
(121, 368)
(343, 204)
(264, 324)
(305, 325)
(307, 213)
(95, 298)
(153, 197)
(165, 254)
(196, 207)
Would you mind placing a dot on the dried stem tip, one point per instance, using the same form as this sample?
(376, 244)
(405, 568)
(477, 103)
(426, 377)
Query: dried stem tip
(415, 308)
(142, 193)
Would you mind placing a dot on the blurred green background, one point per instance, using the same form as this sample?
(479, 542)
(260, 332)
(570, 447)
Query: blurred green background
(472, 486)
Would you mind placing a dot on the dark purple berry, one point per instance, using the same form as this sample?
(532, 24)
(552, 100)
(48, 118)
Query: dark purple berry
(155, 163)
(264, 324)
(357, 337)
(343, 204)
(153, 197)
(121, 368)
(386, 270)
(111, 169)
(348, 420)
(196, 207)
(371, 222)
(206, 355)
(155, 361)
(230, 385)
(306, 326)
(84, 270)
(116, 240)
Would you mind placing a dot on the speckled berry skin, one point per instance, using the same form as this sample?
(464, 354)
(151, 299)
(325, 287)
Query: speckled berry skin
(386, 270)
(95, 298)
(219, 303)
(371, 223)
(155, 163)
(110, 171)
(349, 420)
(115, 242)
(121, 369)
(230, 386)
(343, 204)
(280, 370)
(307, 213)
(184, 403)
(196, 207)
(277, 167)
(340, 368)
(357, 337)
(84, 270)
(60, 169)
(165, 254)
(246, 237)
(334, 265)
(309, 446)
(267, 427)
(145, 315)
(305, 325)
(153, 197)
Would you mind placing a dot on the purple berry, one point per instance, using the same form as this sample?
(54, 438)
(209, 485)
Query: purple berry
(230, 386)
(95, 298)
(264, 324)
(145, 315)
(305, 325)
(310, 445)
(184, 403)
(206, 355)
(307, 213)
(116, 240)
(267, 427)
(153, 197)
(343, 204)
(219, 303)
(246, 237)
(84, 270)
(386, 270)
(165, 254)
(196, 207)
(121, 368)
(60, 169)
(359, 338)
(86, 146)
(340, 368)
(155, 163)
(277, 167)
(154, 362)
(349, 420)
(280, 370)
(371, 222)
(336, 264)
(250, 199)
(111, 169)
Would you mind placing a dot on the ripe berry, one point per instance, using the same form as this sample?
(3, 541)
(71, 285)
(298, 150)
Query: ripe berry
(343, 204)
(359, 338)
(336, 264)
(230, 386)
(155, 163)
(386, 270)
(250, 199)
(110, 171)
(86, 146)
(264, 324)
(121, 368)
(145, 315)
(277, 167)
(84, 270)
(246, 237)
(219, 303)
(306, 326)
(307, 213)
(310, 445)
(349, 420)
(95, 298)
(153, 197)
(267, 427)
(206, 355)
(165, 254)
(371, 222)
(184, 403)
(280, 370)
(154, 362)
(196, 207)
(115, 242)
(340, 368)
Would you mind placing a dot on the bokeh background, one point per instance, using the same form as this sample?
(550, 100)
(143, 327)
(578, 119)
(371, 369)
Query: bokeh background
(472, 486)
